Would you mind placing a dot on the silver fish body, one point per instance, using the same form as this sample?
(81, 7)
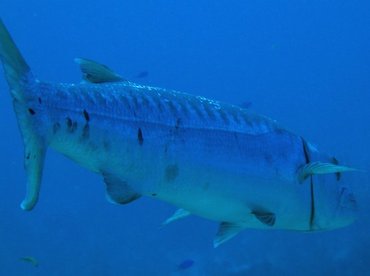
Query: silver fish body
(215, 160)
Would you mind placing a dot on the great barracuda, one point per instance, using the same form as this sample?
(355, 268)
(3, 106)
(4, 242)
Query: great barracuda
(211, 159)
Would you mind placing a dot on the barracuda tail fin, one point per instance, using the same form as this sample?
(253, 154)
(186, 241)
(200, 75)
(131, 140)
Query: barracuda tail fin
(15, 67)
(22, 84)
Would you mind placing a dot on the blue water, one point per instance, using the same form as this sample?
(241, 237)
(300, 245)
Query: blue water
(303, 63)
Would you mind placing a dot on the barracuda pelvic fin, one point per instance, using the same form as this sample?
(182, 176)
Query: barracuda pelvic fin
(225, 232)
(118, 191)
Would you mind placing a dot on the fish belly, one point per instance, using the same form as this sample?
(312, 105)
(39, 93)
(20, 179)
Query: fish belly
(219, 175)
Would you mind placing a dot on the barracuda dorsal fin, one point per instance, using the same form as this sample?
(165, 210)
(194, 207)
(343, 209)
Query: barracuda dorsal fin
(313, 168)
(118, 191)
(179, 214)
(226, 231)
(95, 72)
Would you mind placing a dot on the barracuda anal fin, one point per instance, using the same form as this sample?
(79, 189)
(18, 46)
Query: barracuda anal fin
(179, 214)
(313, 168)
(226, 231)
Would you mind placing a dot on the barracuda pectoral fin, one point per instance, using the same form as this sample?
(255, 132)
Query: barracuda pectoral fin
(179, 214)
(95, 72)
(119, 191)
(313, 168)
(226, 231)
(267, 218)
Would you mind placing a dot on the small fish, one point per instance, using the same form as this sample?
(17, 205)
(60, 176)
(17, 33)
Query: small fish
(186, 264)
(142, 74)
(31, 260)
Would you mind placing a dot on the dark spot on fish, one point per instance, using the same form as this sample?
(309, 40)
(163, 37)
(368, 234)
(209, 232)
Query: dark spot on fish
(86, 115)
(154, 194)
(171, 172)
(56, 127)
(71, 126)
(40, 101)
(85, 132)
(31, 111)
(178, 123)
(140, 138)
(68, 122)
(28, 156)
(338, 175)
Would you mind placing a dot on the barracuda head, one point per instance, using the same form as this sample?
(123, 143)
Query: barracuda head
(334, 203)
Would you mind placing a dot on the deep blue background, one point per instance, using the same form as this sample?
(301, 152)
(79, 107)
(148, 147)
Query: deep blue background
(304, 63)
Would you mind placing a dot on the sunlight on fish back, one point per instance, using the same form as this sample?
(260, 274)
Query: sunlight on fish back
(210, 159)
